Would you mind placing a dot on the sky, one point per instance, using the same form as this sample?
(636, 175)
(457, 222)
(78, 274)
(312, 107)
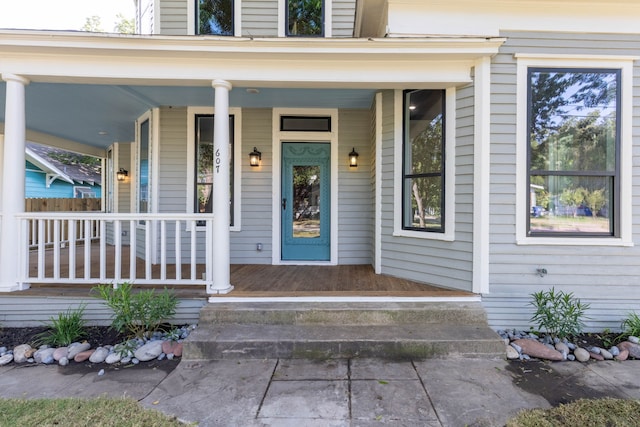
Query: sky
(62, 14)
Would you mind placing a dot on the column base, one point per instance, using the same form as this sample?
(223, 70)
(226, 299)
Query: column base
(214, 291)
(13, 287)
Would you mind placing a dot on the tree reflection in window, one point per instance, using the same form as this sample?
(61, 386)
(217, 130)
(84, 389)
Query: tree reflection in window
(573, 151)
(215, 17)
(305, 18)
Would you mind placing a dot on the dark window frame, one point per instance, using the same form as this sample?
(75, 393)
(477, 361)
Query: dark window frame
(286, 23)
(197, 19)
(615, 227)
(406, 117)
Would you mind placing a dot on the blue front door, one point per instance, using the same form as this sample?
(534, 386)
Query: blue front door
(306, 226)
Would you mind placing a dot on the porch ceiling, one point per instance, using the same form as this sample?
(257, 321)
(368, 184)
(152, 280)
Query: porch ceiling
(90, 88)
(98, 115)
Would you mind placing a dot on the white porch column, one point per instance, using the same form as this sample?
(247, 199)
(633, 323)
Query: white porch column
(221, 194)
(13, 172)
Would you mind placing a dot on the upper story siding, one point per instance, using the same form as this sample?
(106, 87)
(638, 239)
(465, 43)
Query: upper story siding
(257, 18)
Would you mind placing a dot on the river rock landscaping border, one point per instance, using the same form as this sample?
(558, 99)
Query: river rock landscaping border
(523, 345)
(159, 346)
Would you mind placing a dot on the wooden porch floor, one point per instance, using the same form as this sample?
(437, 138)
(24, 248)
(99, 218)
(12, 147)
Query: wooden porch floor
(258, 280)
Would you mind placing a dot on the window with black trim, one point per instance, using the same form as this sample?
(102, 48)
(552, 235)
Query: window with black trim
(423, 169)
(204, 163)
(573, 155)
(305, 123)
(305, 18)
(214, 17)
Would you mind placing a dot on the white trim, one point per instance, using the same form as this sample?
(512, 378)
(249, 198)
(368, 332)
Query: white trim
(344, 299)
(157, 27)
(481, 175)
(237, 18)
(327, 19)
(237, 161)
(378, 189)
(191, 17)
(625, 64)
(278, 138)
(282, 17)
(450, 163)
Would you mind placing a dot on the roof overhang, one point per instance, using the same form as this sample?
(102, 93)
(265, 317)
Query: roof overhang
(268, 62)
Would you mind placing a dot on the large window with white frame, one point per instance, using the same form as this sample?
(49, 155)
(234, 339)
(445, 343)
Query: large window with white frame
(215, 17)
(423, 169)
(573, 152)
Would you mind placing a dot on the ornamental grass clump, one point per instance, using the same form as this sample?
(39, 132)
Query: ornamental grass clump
(68, 327)
(631, 325)
(138, 313)
(558, 313)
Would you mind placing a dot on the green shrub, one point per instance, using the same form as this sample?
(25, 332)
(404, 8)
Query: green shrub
(631, 325)
(68, 327)
(139, 313)
(560, 314)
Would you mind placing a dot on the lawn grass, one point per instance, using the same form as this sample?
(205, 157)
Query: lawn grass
(74, 412)
(583, 412)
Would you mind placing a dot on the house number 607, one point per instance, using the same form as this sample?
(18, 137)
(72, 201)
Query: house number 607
(218, 160)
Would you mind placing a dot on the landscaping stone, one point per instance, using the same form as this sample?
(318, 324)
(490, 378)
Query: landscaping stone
(581, 354)
(63, 361)
(633, 349)
(78, 348)
(60, 352)
(512, 353)
(112, 358)
(562, 347)
(596, 356)
(538, 350)
(172, 347)
(19, 353)
(83, 355)
(606, 354)
(99, 355)
(6, 359)
(633, 339)
(624, 355)
(44, 355)
(149, 351)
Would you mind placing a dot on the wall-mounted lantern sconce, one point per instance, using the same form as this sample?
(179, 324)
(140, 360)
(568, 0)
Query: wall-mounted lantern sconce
(122, 174)
(353, 158)
(254, 158)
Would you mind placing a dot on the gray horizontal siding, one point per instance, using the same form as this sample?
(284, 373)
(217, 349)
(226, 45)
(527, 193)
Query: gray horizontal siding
(343, 18)
(20, 311)
(256, 191)
(173, 17)
(605, 277)
(355, 217)
(446, 264)
(260, 18)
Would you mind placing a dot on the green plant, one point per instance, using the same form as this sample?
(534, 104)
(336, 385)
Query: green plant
(631, 325)
(126, 348)
(68, 327)
(560, 314)
(138, 313)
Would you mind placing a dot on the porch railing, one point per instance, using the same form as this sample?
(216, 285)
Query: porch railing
(170, 249)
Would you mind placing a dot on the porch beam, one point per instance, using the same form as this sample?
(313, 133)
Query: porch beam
(12, 248)
(221, 193)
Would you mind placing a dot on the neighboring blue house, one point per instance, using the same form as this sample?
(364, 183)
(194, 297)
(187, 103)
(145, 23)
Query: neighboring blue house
(49, 176)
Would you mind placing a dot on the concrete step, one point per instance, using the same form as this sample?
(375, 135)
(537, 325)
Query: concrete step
(324, 330)
(396, 342)
(343, 313)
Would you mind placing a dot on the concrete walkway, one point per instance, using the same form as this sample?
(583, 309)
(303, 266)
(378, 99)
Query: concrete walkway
(356, 392)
